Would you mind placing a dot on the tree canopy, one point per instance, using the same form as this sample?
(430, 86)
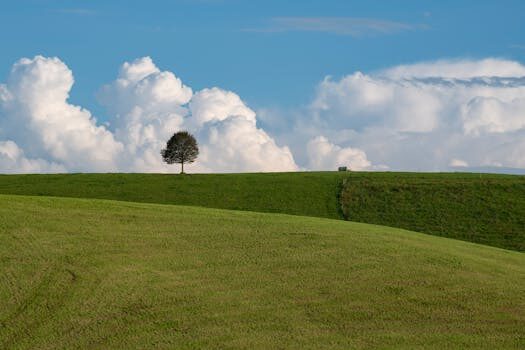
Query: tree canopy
(181, 148)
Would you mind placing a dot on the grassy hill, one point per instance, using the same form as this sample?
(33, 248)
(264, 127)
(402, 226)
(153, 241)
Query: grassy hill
(307, 193)
(103, 274)
(485, 208)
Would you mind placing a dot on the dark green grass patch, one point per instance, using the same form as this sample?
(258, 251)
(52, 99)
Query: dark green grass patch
(79, 274)
(311, 194)
(487, 209)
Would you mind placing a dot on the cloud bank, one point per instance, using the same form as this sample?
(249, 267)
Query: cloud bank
(40, 131)
(36, 116)
(428, 116)
(424, 116)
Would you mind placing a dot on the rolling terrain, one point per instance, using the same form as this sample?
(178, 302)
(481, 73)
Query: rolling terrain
(486, 209)
(80, 273)
(481, 208)
(309, 194)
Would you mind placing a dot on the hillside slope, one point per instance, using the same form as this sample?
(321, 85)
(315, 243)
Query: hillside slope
(121, 275)
(487, 209)
(307, 193)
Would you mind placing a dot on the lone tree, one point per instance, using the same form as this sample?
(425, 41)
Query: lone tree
(181, 148)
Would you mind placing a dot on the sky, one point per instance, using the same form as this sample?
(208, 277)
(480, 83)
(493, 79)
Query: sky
(265, 85)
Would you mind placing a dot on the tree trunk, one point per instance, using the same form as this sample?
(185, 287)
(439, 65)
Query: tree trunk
(182, 170)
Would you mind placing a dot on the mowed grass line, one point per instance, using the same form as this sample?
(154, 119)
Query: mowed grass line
(102, 274)
(486, 209)
(306, 193)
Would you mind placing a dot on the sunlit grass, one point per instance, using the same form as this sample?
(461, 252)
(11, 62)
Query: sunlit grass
(103, 274)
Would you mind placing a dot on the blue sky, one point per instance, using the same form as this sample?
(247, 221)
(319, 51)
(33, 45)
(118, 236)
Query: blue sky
(237, 44)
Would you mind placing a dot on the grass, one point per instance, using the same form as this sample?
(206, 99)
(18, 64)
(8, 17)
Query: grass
(487, 209)
(308, 193)
(119, 275)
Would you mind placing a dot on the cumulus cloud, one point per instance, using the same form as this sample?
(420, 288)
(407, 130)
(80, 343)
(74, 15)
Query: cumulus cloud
(482, 115)
(40, 131)
(146, 106)
(457, 69)
(149, 105)
(217, 105)
(423, 116)
(323, 155)
(458, 163)
(359, 100)
(231, 137)
(13, 160)
(35, 113)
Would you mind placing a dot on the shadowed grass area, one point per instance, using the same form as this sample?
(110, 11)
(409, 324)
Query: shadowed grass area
(487, 209)
(103, 274)
(308, 193)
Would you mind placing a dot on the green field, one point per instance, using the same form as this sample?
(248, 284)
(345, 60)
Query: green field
(119, 275)
(487, 209)
(310, 194)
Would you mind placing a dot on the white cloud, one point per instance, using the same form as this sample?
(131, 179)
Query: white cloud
(457, 69)
(146, 106)
(324, 155)
(149, 105)
(418, 117)
(217, 105)
(236, 144)
(359, 100)
(35, 113)
(230, 138)
(13, 160)
(425, 116)
(492, 115)
(458, 163)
